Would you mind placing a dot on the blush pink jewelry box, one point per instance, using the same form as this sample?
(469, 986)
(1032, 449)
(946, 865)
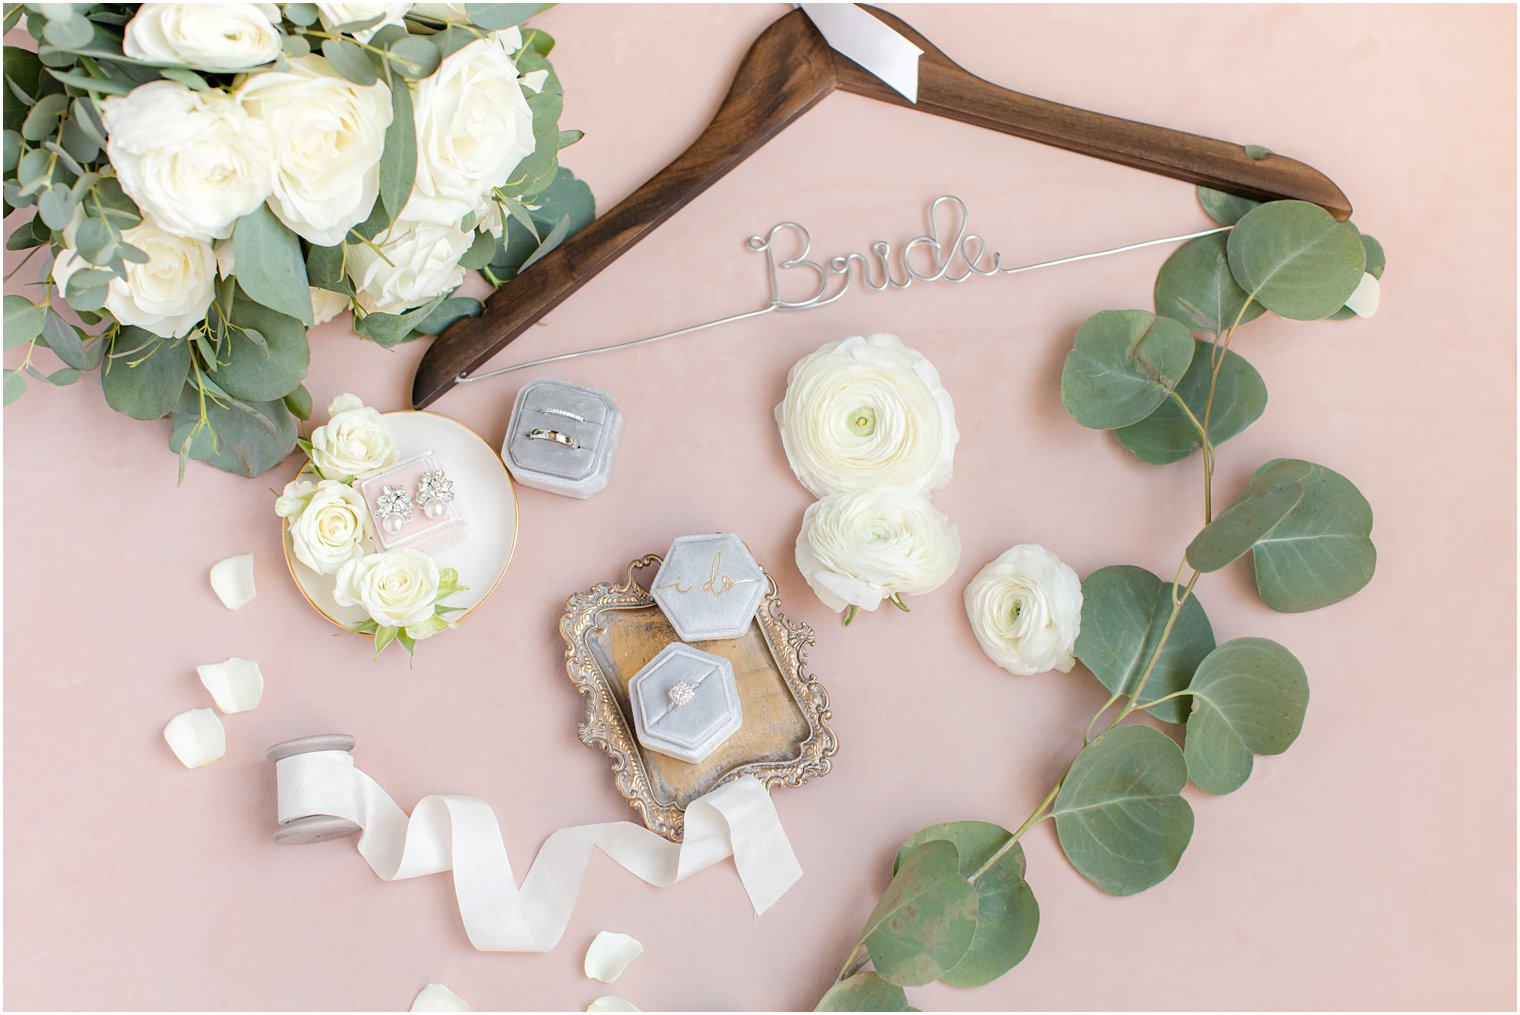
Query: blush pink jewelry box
(421, 532)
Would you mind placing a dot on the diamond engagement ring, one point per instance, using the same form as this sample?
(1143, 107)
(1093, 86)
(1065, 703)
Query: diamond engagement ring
(681, 693)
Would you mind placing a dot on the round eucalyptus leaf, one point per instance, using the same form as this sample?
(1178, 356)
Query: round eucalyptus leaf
(1195, 286)
(414, 56)
(865, 991)
(299, 402)
(925, 921)
(1123, 364)
(1322, 551)
(1119, 815)
(496, 16)
(24, 320)
(1168, 435)
(1249, 698)
(257, 374)
(55, 206)
(65, 341)
(1377, 260)
(68, 33)
(148, 389)
(1226, 209)
(15, 385)
(1271, 494)
(1296, 260)
(95, 241)
(1007, 914)
(247, 441)
(1124, 611)
(348, 59)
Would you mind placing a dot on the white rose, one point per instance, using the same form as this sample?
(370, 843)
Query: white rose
(194, 162)
(355, 442)
(397, 588)
(473, 128)
(488, 217)
(421, 260)
(326, 304)
(168, 294)
(856, 549)
(864, 412)
(214, 37)
(334, 15)
(331, 529)
(326, 134)
(1026, 610)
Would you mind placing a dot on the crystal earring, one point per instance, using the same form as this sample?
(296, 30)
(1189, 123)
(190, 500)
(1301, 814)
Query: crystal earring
(394, 508)
(435, 491)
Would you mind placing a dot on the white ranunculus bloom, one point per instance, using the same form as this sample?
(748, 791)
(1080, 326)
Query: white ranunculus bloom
(333, 15)
(168, 294)
(857, 549)
(331, 529)
(397, 588)
(421, 260)
(864, 412)
(213, 37)
(326, 304)
(326, 134)
(355, 442)
(473, 128)
(194, 162)
(1026, 610)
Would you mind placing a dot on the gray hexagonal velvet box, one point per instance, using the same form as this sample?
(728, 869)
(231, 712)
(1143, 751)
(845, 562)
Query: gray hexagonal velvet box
(685, 703)
(709, 587)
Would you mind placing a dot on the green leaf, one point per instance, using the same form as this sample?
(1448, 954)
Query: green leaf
(151, 387)
(1271, 494)
(302, 14)
(15, 385)
(1322, 551)
(1296, 260)
(398, 170)
(348, 59)
(481, 251)
(24, 321)
(497, 16)
(926, 919)
(569, 137)
(56, 206)
(324, 269)
(554, 239)
(1377, 260)
(95, 240)
(565, 197)
(446, 313)
(260, 375)
(1124, 611)
(186, 77)
(62, 378)
(414, 57)
(64, 339)
(299, 402)
(68, 33)
(246, 442)
(1122, 366)
(42, 121)
(1007, 916)
(1226, 209)
(1120, 817)
(865, 991)
(384, 636)
(270, 267)
(1249, 698)
(1195, 287)
(1168, 435)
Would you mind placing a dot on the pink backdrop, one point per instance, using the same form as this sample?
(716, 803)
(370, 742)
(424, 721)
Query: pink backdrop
(1373, 866)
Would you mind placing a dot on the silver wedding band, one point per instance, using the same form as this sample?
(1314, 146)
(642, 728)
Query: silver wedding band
(563, 412)
(540, 434)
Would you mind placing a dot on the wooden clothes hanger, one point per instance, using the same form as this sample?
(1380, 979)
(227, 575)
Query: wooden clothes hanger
(788, 70)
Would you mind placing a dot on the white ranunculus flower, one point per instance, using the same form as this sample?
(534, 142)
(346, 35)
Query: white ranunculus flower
(194, 162)
(397, 588)
(334, 15)
(864, 412)
(326, 134)
(355, 442)
(1026, 610)
(214, 37)
(331, 529)
(857, 549)
(168, 294)
(473, 128)
(421, 260)
(326, 304)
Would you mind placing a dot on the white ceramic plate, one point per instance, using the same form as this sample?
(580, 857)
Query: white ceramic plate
(486, 498)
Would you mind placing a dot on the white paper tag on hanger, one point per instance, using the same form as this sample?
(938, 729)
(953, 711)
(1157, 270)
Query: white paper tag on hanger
(854, 33)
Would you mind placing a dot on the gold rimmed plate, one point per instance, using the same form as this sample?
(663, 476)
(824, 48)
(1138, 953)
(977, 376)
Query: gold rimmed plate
(486, 497)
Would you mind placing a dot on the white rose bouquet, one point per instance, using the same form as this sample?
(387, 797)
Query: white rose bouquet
(199, 184)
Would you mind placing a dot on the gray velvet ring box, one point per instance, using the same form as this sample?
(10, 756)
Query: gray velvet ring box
(685, 703)
(709, 587)
(585, 415)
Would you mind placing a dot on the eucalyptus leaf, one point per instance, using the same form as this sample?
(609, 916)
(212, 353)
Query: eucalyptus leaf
(481, 251)
(1249, 698)
(86, 288)
(1295, 259)
(1272, 493)
(245, 442)
(391, 329)
(348, 59)
(1322, 551)
(64, 339)
(566, 197)
(146, 385)
(1168, 435)
(497, 16)
(1124, 612)
(15, 385)
(95, 240)
(1007, 914)
(270, 267)
(76, 140)
(925, 920)
(1195, 287)
(68, 33)
(1226, 209)
(447, 312)
(414, 57)
(865, 991)
(1377, 260)
(186, 77)
(55, 206)
(1122, 366)
(42, 121)
(63, 378)
(12, 149)
(24, 320)
(1120, 817)
(398, 170)
(302, 14)
(256, 374)
(299, 402)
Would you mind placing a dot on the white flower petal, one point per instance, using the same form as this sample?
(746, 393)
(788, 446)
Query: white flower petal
(534, 80)
(196, 737)
(437, 997)
(611, 1002)
(1363, 301)
(232, 581)
(610, 954)
(236, 685)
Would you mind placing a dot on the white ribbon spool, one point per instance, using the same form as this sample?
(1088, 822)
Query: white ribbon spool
(321, 794)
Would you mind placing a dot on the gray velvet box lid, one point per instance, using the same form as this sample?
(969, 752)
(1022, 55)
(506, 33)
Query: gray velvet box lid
(709, 587)
(699, 716)
(587, 415)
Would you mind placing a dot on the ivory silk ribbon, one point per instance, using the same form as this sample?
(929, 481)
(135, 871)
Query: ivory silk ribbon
(854, 33)
(460, 833)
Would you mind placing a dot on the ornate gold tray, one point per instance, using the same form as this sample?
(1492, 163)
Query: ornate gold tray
(611, 631)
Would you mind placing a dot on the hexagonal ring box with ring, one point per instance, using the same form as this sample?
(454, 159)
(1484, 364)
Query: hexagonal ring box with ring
(709, 587)
(685, 703)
